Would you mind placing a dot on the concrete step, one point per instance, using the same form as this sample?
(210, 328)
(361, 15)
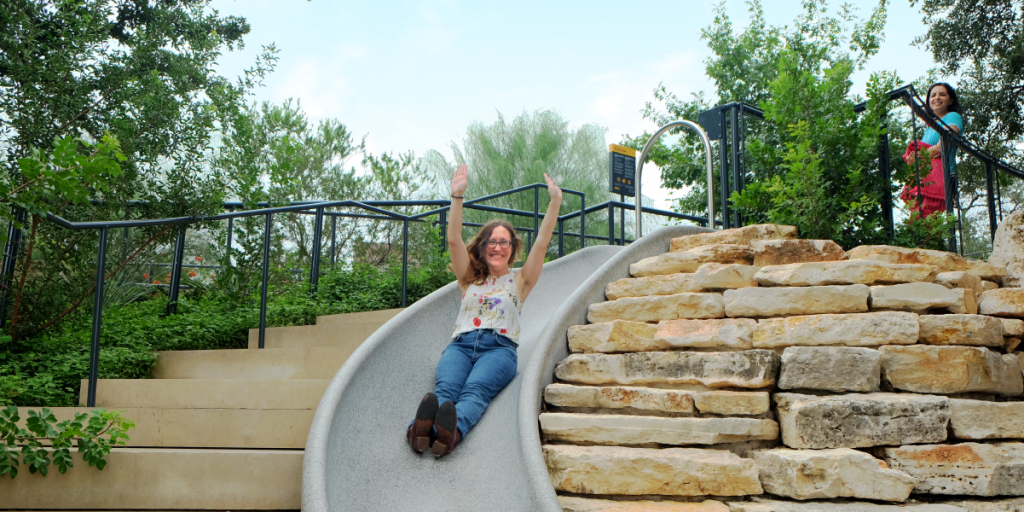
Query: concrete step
(165, 479)
(366, 316)
(269, 363)
(348, 334)
(207, 428)
(207, 393)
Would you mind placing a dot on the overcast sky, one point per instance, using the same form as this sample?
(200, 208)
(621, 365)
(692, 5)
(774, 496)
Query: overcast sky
(413, 75)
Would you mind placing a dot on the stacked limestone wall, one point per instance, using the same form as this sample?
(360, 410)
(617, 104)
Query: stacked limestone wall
(746, 370)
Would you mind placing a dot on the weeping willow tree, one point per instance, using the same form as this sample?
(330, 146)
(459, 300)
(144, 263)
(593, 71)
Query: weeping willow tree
(506, 155)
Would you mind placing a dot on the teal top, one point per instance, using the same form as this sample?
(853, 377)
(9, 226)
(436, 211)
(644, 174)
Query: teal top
(931, 137)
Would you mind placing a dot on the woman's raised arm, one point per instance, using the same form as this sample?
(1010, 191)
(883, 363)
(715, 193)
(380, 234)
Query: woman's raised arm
(528, 275)
(456, 245)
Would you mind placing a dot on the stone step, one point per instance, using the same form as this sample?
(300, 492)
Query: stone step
(971, 469)
(653, 401)
(269, 363)
(207, 393)
(846, 506)
(380, 317)
(690, 260)
(165, 479)
(655, 308)
(746, 369)
(576, 504)
(604, 470)
(348, 335)
(207, 428)
(614, 429)
(746, 235)
(669, 284)
(627, 336)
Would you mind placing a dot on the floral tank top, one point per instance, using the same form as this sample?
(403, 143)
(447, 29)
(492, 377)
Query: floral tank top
(492, 305)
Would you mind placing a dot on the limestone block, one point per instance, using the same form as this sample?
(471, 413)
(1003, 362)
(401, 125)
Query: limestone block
(613, 429)
(960, 279)
(985, 270)
(784, 252)
(915, 297)
(981, 419)
(843, 272)
(741, 236)
(727, 333)
(861, 420)
(830, 506)
(619, 397)
(614, 336)
(831, 369)
(691, 260)
(748, 369)
(1010, 344)
(670, 284)
(732, 403)
(853, 330)
(969, 468)
(975, 330)
(1006, 302)
(658, 307)
(989, 285)
(966, 304)
(718, 276)
(637, 471)
(835, 473)
(950, 369)
(765, 302)
(1010, 505)
(946, 261)
(576, 504)
(1020, 360)
(1008, 248)
(1012, 326)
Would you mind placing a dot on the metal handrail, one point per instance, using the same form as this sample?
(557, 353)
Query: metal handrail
(647, 149)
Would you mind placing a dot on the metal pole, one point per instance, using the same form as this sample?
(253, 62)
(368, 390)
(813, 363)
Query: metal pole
(97, 319)
(999, 196)
(179, 256)
(611, 224)
(561, 238)
(443, 217)
(949, 177)
(734, 146)
(314, 264)
(231, 230)
(405, 262)
(991, 200)
(334, 232)
(723, 177)
(643, 156)
(266, 279)
(622, 221)
(583, 221)
(10, 259)
(536, 213)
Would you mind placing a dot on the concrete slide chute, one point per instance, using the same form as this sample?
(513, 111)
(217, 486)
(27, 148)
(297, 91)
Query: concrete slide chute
(356, 454)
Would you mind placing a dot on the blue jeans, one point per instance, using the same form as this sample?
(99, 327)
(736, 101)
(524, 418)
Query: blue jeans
(472, 370)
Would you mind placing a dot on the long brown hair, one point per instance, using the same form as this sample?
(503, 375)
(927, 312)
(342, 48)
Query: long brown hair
(478, 270)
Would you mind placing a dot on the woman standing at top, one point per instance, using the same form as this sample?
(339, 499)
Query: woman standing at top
(942, 103)
(481, 358)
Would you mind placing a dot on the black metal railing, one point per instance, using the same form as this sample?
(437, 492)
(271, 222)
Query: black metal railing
(319, 209)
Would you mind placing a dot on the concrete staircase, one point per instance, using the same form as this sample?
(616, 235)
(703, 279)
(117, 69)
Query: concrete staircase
(215, 429)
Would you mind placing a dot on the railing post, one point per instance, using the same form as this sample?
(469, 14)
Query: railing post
(178, 260)
(611, 224)
(231, 230)
(952, 190)
(583, 221)
(97, 319)
(314, 263)
(536, 213)
(991, 200)
(334, 233)
(561, 238)
(443, 218)
(723, 177)
(405, 262)
(266, 279)
(734, 146)
(622, 221)
(10, 259)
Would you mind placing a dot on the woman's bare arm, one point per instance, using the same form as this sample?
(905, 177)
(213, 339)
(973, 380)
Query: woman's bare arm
(527, 277)
(456, 245)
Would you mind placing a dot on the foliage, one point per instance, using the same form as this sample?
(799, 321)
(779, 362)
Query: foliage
(507, 155)
(85, 430)
(108, 101)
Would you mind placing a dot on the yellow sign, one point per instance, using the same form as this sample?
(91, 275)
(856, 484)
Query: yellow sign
(622, 150)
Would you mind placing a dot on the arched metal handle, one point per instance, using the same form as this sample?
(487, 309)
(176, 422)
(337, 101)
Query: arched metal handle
(643, 156)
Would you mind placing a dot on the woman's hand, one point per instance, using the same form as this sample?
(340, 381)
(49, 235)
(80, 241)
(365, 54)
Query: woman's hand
(553, 190)
(460, 181)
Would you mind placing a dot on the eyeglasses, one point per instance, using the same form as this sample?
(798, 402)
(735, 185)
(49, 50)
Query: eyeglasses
(502, 243)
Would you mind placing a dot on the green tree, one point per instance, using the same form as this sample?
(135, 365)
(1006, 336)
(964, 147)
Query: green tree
(507, 155)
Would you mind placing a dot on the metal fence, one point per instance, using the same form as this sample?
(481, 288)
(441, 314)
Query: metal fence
(320, 211)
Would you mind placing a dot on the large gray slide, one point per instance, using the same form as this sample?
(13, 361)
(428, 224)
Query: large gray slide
(357, 457)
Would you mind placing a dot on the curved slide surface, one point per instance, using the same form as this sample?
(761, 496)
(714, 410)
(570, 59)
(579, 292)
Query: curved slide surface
(357, 457)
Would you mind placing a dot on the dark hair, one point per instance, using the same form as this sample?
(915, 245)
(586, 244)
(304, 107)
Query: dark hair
(478, 270)
(954, 104)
